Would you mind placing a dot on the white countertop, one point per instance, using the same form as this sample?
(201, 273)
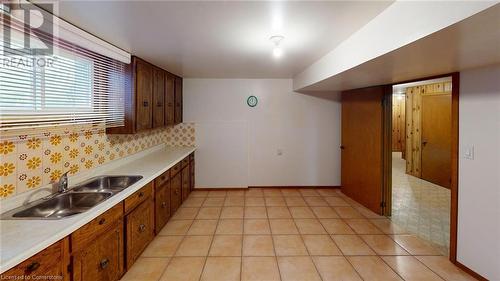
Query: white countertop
(20, 239)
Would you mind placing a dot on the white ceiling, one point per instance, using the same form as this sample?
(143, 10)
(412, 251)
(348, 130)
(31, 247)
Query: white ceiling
(223, 39)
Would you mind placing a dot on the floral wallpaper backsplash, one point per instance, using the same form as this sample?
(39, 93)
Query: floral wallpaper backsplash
(29, 162)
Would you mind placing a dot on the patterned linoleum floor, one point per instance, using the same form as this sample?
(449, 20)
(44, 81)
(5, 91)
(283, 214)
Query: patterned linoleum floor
(421, 207)
(285, 234)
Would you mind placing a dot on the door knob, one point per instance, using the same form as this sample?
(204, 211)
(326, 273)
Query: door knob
(342, 147)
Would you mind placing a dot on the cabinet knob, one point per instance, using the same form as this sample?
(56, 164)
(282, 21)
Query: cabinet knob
(163, 204)
(33, 266)
(102, 221)
(104, 263)
(169, 104)
(141, 194)
(142, 228)
(176, 192)
(159, 104)
(145, 103)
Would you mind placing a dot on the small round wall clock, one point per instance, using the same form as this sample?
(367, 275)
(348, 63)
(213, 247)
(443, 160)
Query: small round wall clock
(252, 101)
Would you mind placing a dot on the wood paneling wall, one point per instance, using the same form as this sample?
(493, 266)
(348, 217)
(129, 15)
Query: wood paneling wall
(398, 124)
(413, 117)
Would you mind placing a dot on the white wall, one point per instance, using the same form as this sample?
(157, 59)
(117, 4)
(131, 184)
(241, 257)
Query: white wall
(479, 179)
(237, 145)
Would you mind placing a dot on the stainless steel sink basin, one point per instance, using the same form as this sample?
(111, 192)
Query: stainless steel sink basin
(76, 200)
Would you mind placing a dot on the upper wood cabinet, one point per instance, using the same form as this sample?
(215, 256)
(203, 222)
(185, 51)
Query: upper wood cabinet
(153, 98)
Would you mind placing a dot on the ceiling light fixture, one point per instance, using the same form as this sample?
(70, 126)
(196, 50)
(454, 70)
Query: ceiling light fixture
(277, 50)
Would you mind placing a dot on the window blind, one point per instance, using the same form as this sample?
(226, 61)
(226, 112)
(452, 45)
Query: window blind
(69, 86)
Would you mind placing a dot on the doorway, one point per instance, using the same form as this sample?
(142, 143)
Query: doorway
(421, 159)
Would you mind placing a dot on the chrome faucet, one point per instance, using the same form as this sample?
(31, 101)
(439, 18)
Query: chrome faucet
(62, 186)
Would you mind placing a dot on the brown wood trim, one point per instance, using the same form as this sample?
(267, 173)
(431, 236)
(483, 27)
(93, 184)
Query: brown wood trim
(387, 153)
(267, 187)
(470, 271)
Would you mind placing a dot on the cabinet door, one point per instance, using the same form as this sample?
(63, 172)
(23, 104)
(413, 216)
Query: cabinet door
(170, 100)
(101, 260)
(158, 98)
(178, 100)
(175, 192)
(144, 92)
(140, 230)
(191, 172)
(185, 183)
(162, 205)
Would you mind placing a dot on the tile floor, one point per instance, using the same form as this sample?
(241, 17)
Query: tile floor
(286, 234)
(420, 207)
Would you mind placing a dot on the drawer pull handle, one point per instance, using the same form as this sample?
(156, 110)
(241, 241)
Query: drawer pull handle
(102, 221)
(104, 263)
(159, 104)
(33, 266)
(142, 228)
(163, 204)
(141, 194)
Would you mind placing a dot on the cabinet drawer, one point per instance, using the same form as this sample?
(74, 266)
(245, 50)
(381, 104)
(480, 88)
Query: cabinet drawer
(175, 169)
(85, 234)
(162, 179)
(48, 262)
(140, 230)
(185, 162)
(138, 197)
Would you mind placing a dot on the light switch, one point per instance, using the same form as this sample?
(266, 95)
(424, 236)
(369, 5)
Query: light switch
(468, 152)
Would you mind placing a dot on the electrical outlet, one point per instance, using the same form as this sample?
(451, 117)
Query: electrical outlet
(468, 152)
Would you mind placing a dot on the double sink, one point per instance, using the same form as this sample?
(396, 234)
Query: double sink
(75, 201)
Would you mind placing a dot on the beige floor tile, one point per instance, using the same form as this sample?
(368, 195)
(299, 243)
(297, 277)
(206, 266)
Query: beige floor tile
(217, 193)
(203, 227)
(162, 246)
(308, 192)
(352, 245)
(255, 201)
(254, 192)
(194, 246)
(289, 245)
(255, 213)
(387, 226)
(383, 245)
(335, 269)
(327, 192)
(184, 269)
(239, 192)
(198, 193)
(232, 213)
(415, 245)
(444, 268)
(363, 226)
(283, 226)
(222, 269)
(278, 213)
(146, 269)
(321, 245)
(258, 245)
(301, 212)
(309, 226)
(297, 269)
(411, 269)
(226, 245)
(214, 202)
(373, 268)
(315, 201)
(272, 192)
(209, 213)
(336, 201)
(290, 192)
(275, 201)
(256, 226)
(347, 212)
(295, 202)
(185, 214)
(230, 226)
(234, 201)
(368, 213)
(336, 226)
(173, 227)
(260, 269)
(193, 202)
(324, 212)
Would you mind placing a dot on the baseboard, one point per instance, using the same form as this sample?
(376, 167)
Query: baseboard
(268, 186)
(470, 271)
(219, 188)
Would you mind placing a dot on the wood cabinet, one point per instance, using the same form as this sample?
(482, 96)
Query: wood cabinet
(186, 188)
(153, 98)
(49, 262)
(138, 197)
(139, 230)
(175, 192)
(102, 259)
(191, 171)
(162, 200)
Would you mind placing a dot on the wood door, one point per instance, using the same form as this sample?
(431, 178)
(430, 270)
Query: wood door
(170, 100)
(101, 260)
(178, 100)
(361, 157)
(144, 95)
(158, 98)
(175, 192)
(140, 230)
(162, 205)
(436, 139)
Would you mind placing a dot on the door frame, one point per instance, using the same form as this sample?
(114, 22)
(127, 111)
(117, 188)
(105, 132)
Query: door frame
(387, 151)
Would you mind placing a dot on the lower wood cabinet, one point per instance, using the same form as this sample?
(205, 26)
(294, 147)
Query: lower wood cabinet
(139, 230)
(191, 170)
(186, 188)
(102, 259)
(175, 192)
(162, 201)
